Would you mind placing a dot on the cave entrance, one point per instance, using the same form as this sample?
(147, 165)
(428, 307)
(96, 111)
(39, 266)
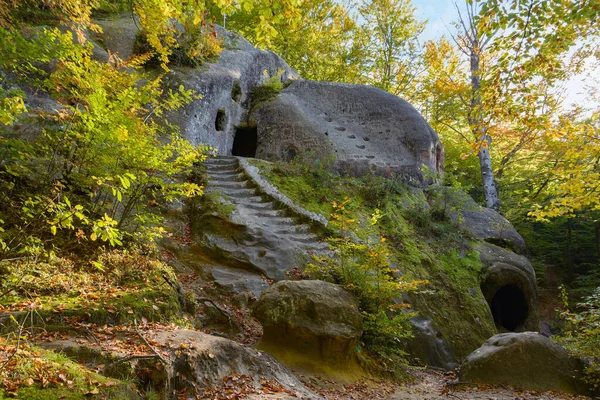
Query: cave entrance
(244, 142)
(509, 308)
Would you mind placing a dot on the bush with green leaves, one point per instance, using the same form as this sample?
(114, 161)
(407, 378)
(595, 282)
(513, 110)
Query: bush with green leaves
(363, 267)
(581, 333)
(101, 163)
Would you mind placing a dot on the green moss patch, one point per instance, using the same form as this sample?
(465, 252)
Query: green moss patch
(33, 373)
(115, 289)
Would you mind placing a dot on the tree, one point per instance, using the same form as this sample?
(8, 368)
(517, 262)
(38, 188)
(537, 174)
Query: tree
(392, 46)
(511, 86)
(319, 43)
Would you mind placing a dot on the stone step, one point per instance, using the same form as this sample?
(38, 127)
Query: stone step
(224, 168)
(237, 193)
(264, 206)
(294, 230)
(227, 176)
(229, 184)
(279, 220)
(245, 201)
(221, 160)
(270, 213)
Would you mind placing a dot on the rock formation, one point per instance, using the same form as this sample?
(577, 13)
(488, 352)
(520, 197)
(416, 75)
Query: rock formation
(359, 129)
(315, 319)
(354, 130)
(525, 360)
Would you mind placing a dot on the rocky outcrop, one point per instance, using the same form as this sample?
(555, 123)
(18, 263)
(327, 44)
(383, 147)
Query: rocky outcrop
(191, 361)
(207, 360)
(225, 87)
(509, 282)
(316, 319)
(359, 129)
(510, 288)
(262, 233)
(525, 360)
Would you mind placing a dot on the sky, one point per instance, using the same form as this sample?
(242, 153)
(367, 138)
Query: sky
(441, 13)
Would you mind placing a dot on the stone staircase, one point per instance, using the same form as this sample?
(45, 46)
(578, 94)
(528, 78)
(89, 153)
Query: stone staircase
(277, 231)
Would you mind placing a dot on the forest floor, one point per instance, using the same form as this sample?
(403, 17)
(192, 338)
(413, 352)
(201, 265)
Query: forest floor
(427, 385)
(438, 385)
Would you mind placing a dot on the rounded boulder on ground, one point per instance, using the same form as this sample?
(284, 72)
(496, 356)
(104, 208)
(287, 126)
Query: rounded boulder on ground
(315, 319)
(525, 360)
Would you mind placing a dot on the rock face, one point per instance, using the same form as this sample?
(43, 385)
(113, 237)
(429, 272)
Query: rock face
(525, 360)
(315, 318)
(261, 234)
(208, 359)
(225, 87)
(509, 284)
(510, 288)
(360, 129)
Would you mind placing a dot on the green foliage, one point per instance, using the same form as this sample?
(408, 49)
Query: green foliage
(270, 88)
(392, 49)
(581, 334)
(100, 159)
(39, 374)
(421, 245)
(363, 267)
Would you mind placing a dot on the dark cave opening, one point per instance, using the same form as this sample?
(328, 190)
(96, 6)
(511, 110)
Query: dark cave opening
(244, 142)
(220, 120)
(509, 308)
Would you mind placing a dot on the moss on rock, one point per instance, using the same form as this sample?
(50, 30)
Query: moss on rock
(424, 244)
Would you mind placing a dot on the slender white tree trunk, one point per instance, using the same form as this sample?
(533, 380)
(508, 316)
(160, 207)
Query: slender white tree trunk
(490, 190)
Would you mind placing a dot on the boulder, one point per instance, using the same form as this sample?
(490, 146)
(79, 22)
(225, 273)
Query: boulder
(359, 129)
(208, 361)
(316, 319)
(225, 86)
(483, 223)
(525, 360)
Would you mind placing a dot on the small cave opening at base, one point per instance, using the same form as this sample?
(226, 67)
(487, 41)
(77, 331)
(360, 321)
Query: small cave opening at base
(509, 308)
(245, 142)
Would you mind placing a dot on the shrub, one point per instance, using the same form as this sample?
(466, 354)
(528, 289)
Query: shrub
(363, 267)
(581, 335)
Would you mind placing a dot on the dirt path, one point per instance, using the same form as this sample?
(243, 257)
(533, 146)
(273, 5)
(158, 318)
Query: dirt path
(437, 385)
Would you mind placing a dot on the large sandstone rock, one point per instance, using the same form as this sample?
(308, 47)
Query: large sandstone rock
(207, 360)
(509, 284)
(510, 288)
(525, 360)
(192, 360)
(225, 87)
(317, 319)
(483, 223)
(360, 129)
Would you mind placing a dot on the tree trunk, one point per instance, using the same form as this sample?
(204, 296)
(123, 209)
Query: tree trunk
(490, 190)
(487, 176)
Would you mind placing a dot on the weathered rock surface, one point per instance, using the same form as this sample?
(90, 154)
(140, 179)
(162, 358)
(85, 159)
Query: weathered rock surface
(510, 288)
(315, 318)
(361, 129)
(428, 347)
(207, 359)
(261, 234)
(525, 360)
(191, 357)
(483, 223)
(509, 284)
(225, 87)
